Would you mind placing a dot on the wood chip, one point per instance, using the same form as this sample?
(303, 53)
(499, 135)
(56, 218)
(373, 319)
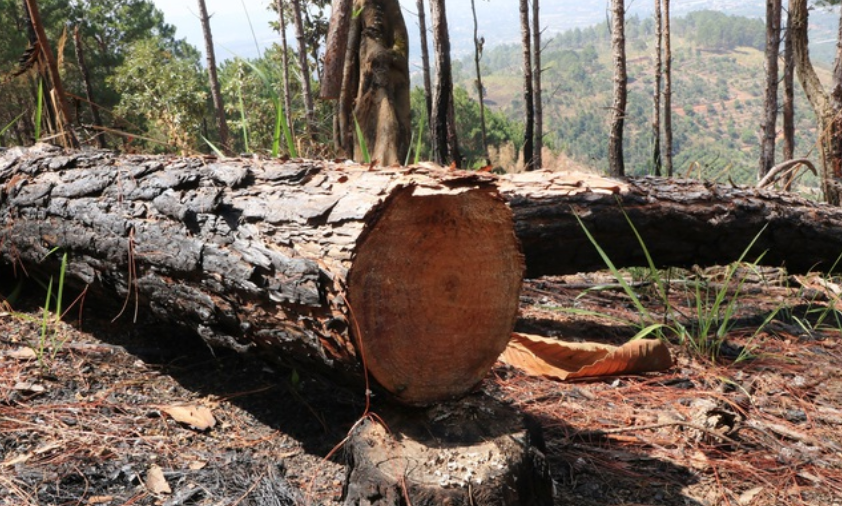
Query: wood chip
(197, 417)
(155, 481)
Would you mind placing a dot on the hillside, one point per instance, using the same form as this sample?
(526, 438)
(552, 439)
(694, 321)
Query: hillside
(717, 97)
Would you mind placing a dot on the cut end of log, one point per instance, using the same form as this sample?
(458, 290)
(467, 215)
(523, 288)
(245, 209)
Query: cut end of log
(435, 286)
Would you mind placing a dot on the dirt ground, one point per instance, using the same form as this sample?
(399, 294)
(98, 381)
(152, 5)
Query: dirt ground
(89, 421)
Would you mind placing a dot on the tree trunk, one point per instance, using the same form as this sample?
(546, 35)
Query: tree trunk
(425, 67)
(826, 106)
(770, 103)
(682, 222)
(528, 100)
(667, 90)
(304, 68)
(536, 85)
(89, 90)
(285, 63)
(274, 256)
(618, 109)
(337, 43)
(56, 94)
(656, 95)
(378, 73)
(789, 93)
(344, 121)
(216, 94)
(445, 140)
(478, 44)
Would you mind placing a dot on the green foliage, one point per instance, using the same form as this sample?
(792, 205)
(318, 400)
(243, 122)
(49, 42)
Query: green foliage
(163, 90)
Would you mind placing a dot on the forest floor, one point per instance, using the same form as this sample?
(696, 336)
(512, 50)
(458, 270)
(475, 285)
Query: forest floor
(94, 422)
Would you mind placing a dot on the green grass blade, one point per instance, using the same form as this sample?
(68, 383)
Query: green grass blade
(418, 141)
(215, 149)
(616, 272)
(61, 275)
(3, 130)
(39, 110)
(243, 118)
(409, 151)
(361, 140)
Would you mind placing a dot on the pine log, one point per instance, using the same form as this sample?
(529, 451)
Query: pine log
(286, 257)
(681, 222)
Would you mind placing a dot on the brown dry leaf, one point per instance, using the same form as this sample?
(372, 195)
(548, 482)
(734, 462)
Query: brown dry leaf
(22, 353)
(155, 481)
(197, 417)
(542, 356)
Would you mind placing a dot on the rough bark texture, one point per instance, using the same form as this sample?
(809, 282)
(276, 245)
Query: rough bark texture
(443, 123)
(656, 95)
(256, 255)
(425, 62)
(536, 84)
(382, 102)
(789, 92)
(616, 166)
(474, 452)
(825, 105)
(285, 62)
(216, 93)
(682, 222)
(528, 97)
(337, 42)
(304, 67)
(57, 94)
(770, 102)
(667, 90)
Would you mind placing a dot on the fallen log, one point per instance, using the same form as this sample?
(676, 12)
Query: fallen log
(422, 265)
(682, 223)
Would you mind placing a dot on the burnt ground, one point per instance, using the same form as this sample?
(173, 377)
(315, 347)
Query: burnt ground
(88, 423)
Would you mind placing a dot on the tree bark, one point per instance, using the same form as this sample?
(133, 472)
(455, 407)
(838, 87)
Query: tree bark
(789, 92)
(285, 63)
(827, 106)
(216, 93)
(474, 452)
(89, 90)
(66, 135)
(478, 44)
(656, 95)
(274, 257)
(616, 166)
(336, 47)
(682, 222)
(667, 90)
(443, 121)
(528, 97)
(304, 67)
(536, 85)
(378, 74)
(425, 66)
(770, 103)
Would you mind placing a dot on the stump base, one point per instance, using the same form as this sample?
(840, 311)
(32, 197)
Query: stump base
(475, 451)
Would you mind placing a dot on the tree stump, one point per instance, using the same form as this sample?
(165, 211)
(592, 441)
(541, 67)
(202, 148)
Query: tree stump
(476, 452)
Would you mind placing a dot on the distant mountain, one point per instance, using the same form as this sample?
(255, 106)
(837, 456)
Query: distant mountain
(499, 20)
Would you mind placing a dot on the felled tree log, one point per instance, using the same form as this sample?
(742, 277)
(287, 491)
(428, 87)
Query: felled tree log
(422, 265)
(682, 223)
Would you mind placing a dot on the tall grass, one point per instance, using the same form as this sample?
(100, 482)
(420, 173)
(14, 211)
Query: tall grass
(715, 310)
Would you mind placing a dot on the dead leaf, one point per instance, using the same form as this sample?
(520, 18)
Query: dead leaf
(155, 481)
(100, 499)
(487, 168)
(29, 386)
(22, 353)
(748, 496)
(197, 465)
(197, 417)
(542, 356)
